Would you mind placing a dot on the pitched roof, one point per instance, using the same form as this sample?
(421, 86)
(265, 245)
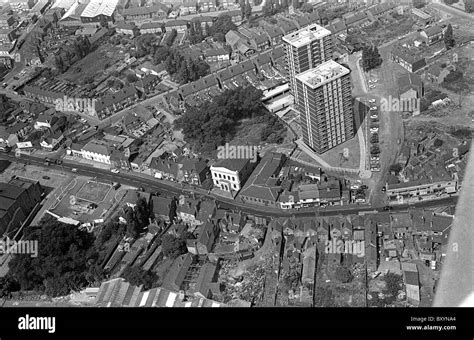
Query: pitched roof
(100, 7)
(114, 98)
(433, 30)
(96, 147)
(164, 165)
(232, 164)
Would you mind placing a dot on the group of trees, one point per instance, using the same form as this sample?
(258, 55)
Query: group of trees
(217, 30)
(66, 260)
(245, 9)
(220, 27)
(273, 7)
(137, 276)
(137, 218)
(274, 130)
(213, 123)
(5, 108)
(419, 3)
(146, 44)
(469, 6)
(70, 54)
(371, 58)
(185, 69)
(173, 246)
(196, 34)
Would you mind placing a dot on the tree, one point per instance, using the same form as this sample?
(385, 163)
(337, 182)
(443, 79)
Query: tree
(173, 246)
(161, 53)
(132, 78)
(448, 37)
(343, 274)
(438, 142)
(137, 276)
(221, 26)
(63, 262)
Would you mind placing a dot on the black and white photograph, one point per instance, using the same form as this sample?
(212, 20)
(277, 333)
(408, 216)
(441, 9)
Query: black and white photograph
(210, 168)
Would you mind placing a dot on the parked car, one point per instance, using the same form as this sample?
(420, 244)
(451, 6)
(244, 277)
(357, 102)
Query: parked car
(372, 101)
(374, 129)
(374, 115)
(373, 108)
(115, 171)
(74, 170)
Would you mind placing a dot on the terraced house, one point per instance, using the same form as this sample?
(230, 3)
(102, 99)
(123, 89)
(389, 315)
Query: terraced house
(114, 102)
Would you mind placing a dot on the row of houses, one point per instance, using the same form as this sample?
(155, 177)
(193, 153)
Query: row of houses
(269, 64)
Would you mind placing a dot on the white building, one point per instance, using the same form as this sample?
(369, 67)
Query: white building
(230, 174)
(95, 151)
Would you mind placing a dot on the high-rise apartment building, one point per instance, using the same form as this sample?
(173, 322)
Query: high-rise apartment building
(324, 103)
(305, 49)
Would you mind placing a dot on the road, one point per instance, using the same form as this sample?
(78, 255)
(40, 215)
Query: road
(168, 188)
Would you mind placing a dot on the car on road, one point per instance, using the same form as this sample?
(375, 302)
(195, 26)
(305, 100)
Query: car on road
(371, 86)
(372, 101)
(115, 171)
(374, 115)
(375, 158)
(74, 170)
(387, 207)
(46, 177)
(376, 169)
(384, 189)
(374, 108)
(374, 129)
(141, 189)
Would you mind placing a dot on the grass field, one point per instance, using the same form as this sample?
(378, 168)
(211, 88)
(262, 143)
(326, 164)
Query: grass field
(94, 192)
